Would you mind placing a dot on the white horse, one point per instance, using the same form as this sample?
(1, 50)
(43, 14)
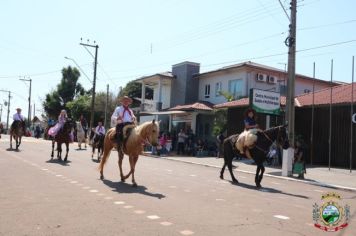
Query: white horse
(81, 135)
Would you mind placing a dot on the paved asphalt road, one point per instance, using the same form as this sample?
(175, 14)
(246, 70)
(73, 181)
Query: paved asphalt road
(40, 197)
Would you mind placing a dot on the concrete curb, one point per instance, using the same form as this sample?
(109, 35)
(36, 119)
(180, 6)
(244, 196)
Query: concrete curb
(320, 184)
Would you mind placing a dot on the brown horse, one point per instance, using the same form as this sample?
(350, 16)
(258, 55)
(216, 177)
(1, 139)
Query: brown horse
(17, 130)
(144, 133)
(63, 136)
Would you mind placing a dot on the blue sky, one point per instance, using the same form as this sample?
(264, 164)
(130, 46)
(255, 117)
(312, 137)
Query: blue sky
(144, 37)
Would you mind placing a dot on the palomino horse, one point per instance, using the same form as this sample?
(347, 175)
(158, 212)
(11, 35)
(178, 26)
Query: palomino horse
(63, 136)
(80, 135)
(146, 132)
(97, 142)
(16, 132)
(258, 152)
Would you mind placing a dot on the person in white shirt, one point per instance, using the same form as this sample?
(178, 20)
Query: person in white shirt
(122, 116)
(18, 117)
(100, 129)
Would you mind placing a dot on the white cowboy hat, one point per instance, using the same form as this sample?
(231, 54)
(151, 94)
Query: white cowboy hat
(125, 98)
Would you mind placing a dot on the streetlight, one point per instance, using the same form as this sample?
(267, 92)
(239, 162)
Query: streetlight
(29, 102)
(68, 58)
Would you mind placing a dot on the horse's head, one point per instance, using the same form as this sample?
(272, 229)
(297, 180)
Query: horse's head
(150, 132)
(282, 137)
(68, 126)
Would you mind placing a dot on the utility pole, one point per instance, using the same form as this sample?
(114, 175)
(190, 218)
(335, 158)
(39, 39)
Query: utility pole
(290, 109)
(106, 105)
(29, 102)
(94, 81)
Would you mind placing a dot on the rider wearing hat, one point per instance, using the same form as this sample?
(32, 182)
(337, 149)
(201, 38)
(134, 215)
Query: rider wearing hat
(122, 116)
(18, 117)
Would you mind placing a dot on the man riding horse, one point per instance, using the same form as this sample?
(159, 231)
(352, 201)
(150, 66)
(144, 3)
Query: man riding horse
(18, 118)
(122, 116)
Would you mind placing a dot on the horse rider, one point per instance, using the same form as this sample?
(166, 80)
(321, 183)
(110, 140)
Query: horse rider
(84, 124)
(18, 117)
(62, 118)
(100, 129)
(122, 116)
(248, 138)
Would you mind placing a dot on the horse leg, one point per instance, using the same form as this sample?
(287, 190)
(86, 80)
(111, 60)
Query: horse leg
(59, 151)
(222, 170)
(67, 150)
(228, 156)
(257, 182)
(134, 161)
(121, 157)
(93, 151)
(52, 149)
(261, 175)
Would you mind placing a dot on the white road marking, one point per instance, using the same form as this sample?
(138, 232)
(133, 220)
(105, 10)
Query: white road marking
(172, 186)
(74, 182)
(128, 207)
(187, 190)
(58, 175)
(186, 232)
(193, 175)
(139, 212)
(166, 223)
(119, 203)
(44, 169)
(86, 187)
(220, 200)
(93, 191)
(317, 190)
(276, 183)
(153, 217)
(282, 217)
(242, 177)
(108, 198)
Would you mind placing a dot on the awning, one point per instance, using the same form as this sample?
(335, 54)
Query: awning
(161, 113)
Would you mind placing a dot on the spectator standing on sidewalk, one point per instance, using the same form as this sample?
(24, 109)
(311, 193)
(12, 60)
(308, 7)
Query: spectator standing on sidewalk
(220, 140)
(181, 141)
(299, 162)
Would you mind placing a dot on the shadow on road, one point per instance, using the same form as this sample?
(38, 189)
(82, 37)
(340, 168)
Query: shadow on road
(56, 161)
(122, 187)
(13, 150)
(267, 189)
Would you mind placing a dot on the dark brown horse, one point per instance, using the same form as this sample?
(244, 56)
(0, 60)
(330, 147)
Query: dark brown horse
(17, 130)
(97, 143)
(63, 136)
(258, 152)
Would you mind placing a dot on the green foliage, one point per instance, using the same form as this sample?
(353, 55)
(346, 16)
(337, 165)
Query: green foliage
(66, 91)
(134, 89)
(220, 121)
(229, 97)
(80, 105)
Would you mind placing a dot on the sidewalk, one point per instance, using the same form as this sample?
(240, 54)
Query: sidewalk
(320, 176)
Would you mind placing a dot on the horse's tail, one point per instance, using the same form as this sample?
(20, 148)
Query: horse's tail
(107, 148)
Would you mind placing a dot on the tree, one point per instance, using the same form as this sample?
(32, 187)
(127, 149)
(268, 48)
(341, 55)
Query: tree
(66, 91)
(134, 89)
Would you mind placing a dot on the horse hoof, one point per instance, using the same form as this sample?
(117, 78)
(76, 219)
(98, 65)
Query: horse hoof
(258, 185)
(123, 180)
(101, 177)
(134, 185)
(221, 177)
(235, 181)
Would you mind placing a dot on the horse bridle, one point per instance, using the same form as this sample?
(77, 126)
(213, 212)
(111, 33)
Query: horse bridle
(269, 139)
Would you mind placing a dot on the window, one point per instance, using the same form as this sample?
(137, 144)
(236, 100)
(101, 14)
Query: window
(218, 89)
(236, 88)
(207, 91)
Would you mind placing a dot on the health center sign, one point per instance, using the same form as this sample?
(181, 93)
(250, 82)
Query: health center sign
(265, 101)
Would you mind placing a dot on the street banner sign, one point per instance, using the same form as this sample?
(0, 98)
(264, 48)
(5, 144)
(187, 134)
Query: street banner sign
(266, 102)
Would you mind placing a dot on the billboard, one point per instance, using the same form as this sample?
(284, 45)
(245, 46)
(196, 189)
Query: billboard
(266, 102)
